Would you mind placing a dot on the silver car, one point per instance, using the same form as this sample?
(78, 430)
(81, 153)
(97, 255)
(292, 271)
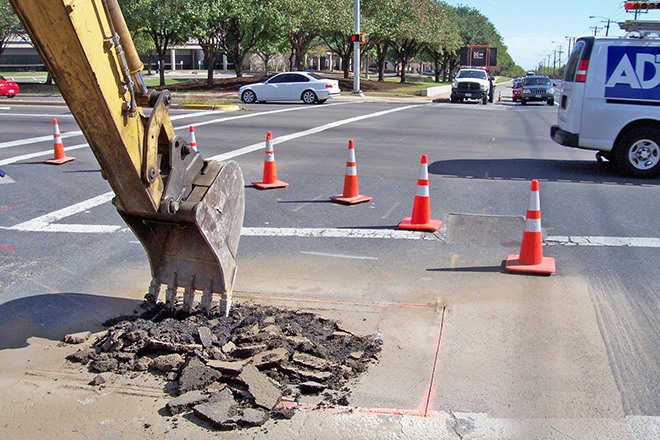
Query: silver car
(291, 86)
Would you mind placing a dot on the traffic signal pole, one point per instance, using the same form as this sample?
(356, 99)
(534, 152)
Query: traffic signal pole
(356, 53)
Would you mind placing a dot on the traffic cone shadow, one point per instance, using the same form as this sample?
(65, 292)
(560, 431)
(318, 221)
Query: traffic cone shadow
(531, 259)
(351, 194)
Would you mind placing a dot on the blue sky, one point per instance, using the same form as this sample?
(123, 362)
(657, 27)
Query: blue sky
(534, 29)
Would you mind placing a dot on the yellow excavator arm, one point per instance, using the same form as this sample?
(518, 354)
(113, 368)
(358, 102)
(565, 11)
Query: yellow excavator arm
(187, 212)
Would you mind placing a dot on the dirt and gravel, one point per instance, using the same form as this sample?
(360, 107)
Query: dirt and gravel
(237, 371)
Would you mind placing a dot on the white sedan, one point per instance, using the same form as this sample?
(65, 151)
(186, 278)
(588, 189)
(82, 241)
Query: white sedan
(291, 86)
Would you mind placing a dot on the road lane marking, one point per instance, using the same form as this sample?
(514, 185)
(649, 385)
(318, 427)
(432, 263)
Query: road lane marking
(37, 139)
(570, 240)
(39, 223)
(314, 130)
(39, 154)
(350, 257)
(337, 233)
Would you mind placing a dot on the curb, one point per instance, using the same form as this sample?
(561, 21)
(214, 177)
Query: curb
(226, 107)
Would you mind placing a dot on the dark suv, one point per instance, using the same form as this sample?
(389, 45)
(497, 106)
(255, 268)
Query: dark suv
(537, 88)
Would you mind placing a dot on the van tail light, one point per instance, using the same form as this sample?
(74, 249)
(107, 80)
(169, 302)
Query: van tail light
(581, 74)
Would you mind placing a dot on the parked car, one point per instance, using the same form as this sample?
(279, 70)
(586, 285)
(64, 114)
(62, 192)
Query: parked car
(291, 86)
(429, 72)
(516, 89)
(8, 88)
(537, 88)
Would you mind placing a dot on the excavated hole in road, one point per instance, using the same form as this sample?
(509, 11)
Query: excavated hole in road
(237, 371)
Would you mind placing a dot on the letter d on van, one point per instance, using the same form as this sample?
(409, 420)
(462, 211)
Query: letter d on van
(633, 73)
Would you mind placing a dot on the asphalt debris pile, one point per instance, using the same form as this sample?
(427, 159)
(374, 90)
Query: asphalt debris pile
(237, 371)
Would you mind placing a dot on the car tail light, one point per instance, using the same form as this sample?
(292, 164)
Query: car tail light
(581, 74)
(329, 86)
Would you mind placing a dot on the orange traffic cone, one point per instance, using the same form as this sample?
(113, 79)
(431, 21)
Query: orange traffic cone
(59, 157)
(531, 259)
(500, 98)
(421, 213)
(193, 140)
(351, 195)
(269, 180)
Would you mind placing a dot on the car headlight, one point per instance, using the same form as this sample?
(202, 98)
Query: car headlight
(454, 84)
(482, 87)
(526, 92)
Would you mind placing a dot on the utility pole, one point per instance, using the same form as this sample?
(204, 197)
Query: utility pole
(356, 53)
(595, 28)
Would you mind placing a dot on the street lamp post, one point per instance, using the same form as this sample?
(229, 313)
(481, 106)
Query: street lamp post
(356, 52)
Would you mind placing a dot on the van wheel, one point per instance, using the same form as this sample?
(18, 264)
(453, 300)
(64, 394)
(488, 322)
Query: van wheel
(638, 153)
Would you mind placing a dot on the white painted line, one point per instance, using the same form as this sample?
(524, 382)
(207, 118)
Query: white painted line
(314, 130)
(40, 223)
(4, 108)
(350, 257)
(306, 204)
(603, 241)
(194, 115)
(36, 115)
(337, 233)
(35, 140)
(39, 154)
(254, 115)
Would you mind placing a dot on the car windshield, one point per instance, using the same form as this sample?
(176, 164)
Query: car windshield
(471, 74)
(537, 82)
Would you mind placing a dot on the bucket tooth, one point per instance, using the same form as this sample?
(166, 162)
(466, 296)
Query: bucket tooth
(154, 291)
(207, 301)
(225, 303)
(170, 294)
(188, 299)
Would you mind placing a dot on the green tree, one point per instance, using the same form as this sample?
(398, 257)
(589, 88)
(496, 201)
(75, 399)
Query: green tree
(301, 25)
(475, 28)
(163, 20)
(205, 18)
(10, 25)
(380, 18)
(245, 22)
(410, 32)
(444, 39)
(336, 29)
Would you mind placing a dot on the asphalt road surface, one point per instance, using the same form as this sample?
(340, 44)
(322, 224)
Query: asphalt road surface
(580, 346)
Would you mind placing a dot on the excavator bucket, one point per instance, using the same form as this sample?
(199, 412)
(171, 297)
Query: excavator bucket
(195, 248)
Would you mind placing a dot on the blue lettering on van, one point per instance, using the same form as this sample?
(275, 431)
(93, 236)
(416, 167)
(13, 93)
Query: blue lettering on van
(633, 72)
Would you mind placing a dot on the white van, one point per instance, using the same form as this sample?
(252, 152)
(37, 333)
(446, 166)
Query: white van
(610, 99)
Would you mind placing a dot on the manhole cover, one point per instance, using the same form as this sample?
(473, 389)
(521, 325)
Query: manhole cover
(484, 230)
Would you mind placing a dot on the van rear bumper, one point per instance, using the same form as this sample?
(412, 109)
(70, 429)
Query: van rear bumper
(564, 137)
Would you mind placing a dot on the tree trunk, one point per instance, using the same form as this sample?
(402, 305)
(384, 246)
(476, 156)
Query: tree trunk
(210, 64)
(161, 68)
(346, 62)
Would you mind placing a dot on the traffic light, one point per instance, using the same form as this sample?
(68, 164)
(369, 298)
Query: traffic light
(641, 6)
(359, 38)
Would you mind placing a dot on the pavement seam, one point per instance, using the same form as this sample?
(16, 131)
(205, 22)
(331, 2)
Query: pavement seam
(454, 426)
(429, 395)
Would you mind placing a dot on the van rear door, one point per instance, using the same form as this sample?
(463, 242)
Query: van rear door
(573, 86)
